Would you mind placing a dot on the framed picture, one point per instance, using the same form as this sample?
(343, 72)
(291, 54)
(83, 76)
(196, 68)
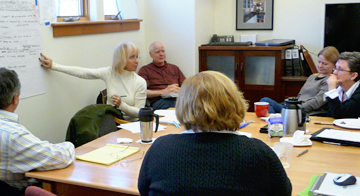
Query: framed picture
(254, 14)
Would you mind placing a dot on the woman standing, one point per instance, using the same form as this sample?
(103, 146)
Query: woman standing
(344, 101)
(125, 89)
(312, 92)
(211, 157)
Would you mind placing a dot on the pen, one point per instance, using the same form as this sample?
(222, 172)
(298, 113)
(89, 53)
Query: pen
(120, 96)
(320, 123)
(245, 124)
(176, 124)
(303, 152)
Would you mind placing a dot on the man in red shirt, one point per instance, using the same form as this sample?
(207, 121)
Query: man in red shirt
(163, 79)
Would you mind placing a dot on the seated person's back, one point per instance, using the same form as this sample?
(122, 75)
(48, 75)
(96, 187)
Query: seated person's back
(210, 157)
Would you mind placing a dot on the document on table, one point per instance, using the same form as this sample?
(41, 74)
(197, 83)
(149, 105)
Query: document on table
(134, 127)
(340, 135)
(165, 112)
(108, 154)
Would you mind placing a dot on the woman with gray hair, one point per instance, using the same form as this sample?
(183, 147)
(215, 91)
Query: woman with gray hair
(344, 87)
(211, 157)
(125, 89)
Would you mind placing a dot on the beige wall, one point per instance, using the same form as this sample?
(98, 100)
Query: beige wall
(181, 25)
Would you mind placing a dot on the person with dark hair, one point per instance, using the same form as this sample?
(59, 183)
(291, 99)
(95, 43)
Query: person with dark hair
(312, 92)
(211, 157)
(21, 151)
(344, 90)
(125, 89)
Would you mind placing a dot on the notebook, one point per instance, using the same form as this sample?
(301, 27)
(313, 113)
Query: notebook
(327, 187)
(108, 154)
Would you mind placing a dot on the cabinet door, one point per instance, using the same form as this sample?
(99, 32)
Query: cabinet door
(223, 61)
(260, 75)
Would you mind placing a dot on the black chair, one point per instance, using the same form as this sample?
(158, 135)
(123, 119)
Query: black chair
(7, 190)
(102, 97)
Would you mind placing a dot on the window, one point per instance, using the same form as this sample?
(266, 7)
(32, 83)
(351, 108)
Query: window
(111, 7)
(70, 8)
(78, 8)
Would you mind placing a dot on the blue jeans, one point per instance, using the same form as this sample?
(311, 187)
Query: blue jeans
(164, 103)
(274, 107)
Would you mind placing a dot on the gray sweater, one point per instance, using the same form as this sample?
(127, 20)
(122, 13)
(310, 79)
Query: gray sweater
(311, 94)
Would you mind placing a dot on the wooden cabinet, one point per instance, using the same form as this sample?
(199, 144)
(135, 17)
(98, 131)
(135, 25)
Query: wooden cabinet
(257, 70)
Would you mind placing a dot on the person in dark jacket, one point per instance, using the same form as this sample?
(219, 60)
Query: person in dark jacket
(344, 90)
(211, 157)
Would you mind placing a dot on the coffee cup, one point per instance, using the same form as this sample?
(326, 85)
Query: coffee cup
(261, 109)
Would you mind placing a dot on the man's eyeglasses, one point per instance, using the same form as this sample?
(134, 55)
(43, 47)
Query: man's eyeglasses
(339, 69)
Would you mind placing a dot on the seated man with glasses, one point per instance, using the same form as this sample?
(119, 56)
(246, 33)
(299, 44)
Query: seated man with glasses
(163, 79)
(344, 90)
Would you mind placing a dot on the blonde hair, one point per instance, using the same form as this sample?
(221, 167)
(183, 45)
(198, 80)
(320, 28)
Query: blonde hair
(121, 54)
(330, 53)
(210, 101)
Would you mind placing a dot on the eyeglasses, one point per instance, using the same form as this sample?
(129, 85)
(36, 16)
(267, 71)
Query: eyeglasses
(116, 155)
(339, 69)
(134, 57)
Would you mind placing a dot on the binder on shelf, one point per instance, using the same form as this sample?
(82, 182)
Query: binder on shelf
(288, 63)
(309, 60)
(304, 64)
(344, 138)
(296, 62)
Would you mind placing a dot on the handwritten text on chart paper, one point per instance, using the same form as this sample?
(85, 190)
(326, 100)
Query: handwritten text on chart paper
(21, 43)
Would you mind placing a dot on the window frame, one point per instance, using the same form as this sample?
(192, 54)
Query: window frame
(84, 26)
(86, 13)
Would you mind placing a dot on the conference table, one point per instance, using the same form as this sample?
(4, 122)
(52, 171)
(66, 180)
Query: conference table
(120, 178)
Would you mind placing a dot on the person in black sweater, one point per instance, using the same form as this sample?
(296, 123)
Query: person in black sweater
(210, 157)
(344, 101)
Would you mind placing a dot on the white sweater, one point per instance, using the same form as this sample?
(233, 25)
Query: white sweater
(127, 83)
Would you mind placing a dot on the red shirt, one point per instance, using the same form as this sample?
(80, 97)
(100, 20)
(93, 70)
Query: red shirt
(158, 78)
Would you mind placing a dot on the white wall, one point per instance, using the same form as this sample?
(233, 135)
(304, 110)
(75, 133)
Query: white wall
(181, 25)
(172, 22)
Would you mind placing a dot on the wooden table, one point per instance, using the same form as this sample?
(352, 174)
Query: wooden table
(85, 178)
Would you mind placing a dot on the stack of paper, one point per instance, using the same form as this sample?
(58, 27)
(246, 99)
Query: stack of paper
(108, 154)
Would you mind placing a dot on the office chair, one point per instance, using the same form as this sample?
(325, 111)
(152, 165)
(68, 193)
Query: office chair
(37, 191)
(7, 190)
(102, 97)
(91, 122)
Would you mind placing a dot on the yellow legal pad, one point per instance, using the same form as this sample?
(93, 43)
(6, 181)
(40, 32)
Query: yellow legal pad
(108, 154)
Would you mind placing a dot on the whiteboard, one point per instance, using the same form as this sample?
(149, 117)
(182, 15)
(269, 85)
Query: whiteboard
(21, 44)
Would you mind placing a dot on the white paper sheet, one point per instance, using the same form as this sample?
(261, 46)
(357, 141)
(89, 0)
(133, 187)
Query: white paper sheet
(134, 127)
(340, 135)
(165, 112)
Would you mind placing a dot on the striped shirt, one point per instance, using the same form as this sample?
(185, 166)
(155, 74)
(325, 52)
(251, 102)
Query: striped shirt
(21, 151)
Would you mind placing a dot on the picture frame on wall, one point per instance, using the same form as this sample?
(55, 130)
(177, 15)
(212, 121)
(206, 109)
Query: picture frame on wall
(254, 14)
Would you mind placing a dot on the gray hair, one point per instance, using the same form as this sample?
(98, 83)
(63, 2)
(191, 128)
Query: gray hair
(9, 87)
(353, 60)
